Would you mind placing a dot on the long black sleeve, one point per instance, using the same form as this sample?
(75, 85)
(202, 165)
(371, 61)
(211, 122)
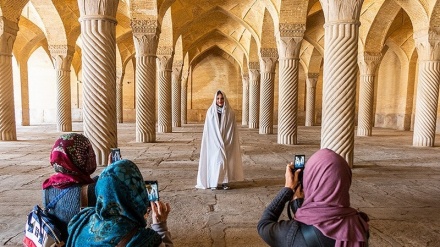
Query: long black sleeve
(272, 231)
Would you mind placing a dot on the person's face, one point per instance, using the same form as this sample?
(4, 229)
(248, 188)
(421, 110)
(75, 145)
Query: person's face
(220, 100)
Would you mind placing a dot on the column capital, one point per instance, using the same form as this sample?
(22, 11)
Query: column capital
(165, 57)
(62, 56)
(268, 58)
(8, 33)
(145, 36)
(103, 9)
(146, 44)
(289, 47)
(177, 70)
(245, 76)
(368, 62)
(312, 79)
(245, 79)
(341, 11)
(427, 44)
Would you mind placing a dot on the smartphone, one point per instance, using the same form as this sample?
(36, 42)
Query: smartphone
(152, 190)
(299, 162)
(116, 154)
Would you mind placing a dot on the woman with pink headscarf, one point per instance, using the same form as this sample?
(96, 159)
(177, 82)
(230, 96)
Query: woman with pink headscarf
(73, 160)
(325, 217)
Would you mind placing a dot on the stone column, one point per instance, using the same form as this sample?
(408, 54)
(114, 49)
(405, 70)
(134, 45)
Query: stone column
(254, 95)
(62, 56)
(98, 32)
(312, 79)
(184, 97)
(340, 73)
(8, 33)
(176, 90)
(245, 102)
(428, 48)
(25, 114)
(368, 65)
(289, 44)
(146, 39)
(165, 64)
(268, 58)
(119, 95)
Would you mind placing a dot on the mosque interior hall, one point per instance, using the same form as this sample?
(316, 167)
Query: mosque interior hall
(359, 77)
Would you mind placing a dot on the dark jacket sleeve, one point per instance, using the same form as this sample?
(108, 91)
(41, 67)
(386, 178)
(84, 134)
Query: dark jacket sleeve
(272, 231)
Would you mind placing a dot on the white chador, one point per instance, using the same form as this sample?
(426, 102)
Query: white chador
(220, 156)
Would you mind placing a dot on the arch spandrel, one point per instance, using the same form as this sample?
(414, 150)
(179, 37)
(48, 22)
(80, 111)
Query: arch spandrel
(29, 37)
(201, 17)
(178, 49)
(314, 33)
(166, 32)
(376, 22)
(54, 27)
(417, 12)
(11, 9)
(125, 45)
(216, 36)
(401, 33)
(220, 41)
(294, 11)
(268, 32)
(311, 58)
(225, 25)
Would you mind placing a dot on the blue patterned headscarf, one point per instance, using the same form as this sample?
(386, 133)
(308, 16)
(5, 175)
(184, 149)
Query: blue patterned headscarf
(121, 203)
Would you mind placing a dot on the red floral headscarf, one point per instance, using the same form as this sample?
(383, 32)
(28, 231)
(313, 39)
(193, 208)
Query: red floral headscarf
(74, 161)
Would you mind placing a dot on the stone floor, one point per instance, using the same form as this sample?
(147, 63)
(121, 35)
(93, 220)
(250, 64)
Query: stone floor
(396, 184)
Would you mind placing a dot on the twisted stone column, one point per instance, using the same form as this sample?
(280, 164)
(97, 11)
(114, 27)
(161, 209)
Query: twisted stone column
(165, 64)
(176, 92)
(254, 95)
(8, 33)
(289, 44)
(245, 100)
(268, 59)
(25, 114)
(312, 78)
(62, 56)
(119, 95)
(146, 39)
(340, 72)
(99, 74)
(183, 101)
(368, 65)
(428, 47)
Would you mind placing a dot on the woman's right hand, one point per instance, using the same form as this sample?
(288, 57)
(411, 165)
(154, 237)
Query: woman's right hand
(160, 211)
(291, 178)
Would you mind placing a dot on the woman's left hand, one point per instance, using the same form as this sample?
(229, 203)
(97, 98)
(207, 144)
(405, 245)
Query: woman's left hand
(160, 211)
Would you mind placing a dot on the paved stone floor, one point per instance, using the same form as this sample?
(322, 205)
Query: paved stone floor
(396, 184)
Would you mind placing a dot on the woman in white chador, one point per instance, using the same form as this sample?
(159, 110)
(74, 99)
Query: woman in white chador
(220, 157)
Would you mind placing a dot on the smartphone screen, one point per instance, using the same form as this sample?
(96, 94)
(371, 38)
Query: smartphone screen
(116, 154)
(299, 162)
(152, 190)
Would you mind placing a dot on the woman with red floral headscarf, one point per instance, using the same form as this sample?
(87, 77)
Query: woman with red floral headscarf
(73, 160)
(323, 214)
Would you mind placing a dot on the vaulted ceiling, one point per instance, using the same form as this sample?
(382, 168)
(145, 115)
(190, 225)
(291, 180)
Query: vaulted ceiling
(238, 28)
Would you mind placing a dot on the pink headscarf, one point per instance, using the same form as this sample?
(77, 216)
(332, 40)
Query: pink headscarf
(73, 160)
(327, 181)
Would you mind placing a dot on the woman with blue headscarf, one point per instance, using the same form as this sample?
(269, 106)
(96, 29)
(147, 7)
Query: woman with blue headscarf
(118, 217)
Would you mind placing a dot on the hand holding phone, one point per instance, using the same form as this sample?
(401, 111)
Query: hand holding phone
(115, 154)
(152, 190)
(299, 163)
